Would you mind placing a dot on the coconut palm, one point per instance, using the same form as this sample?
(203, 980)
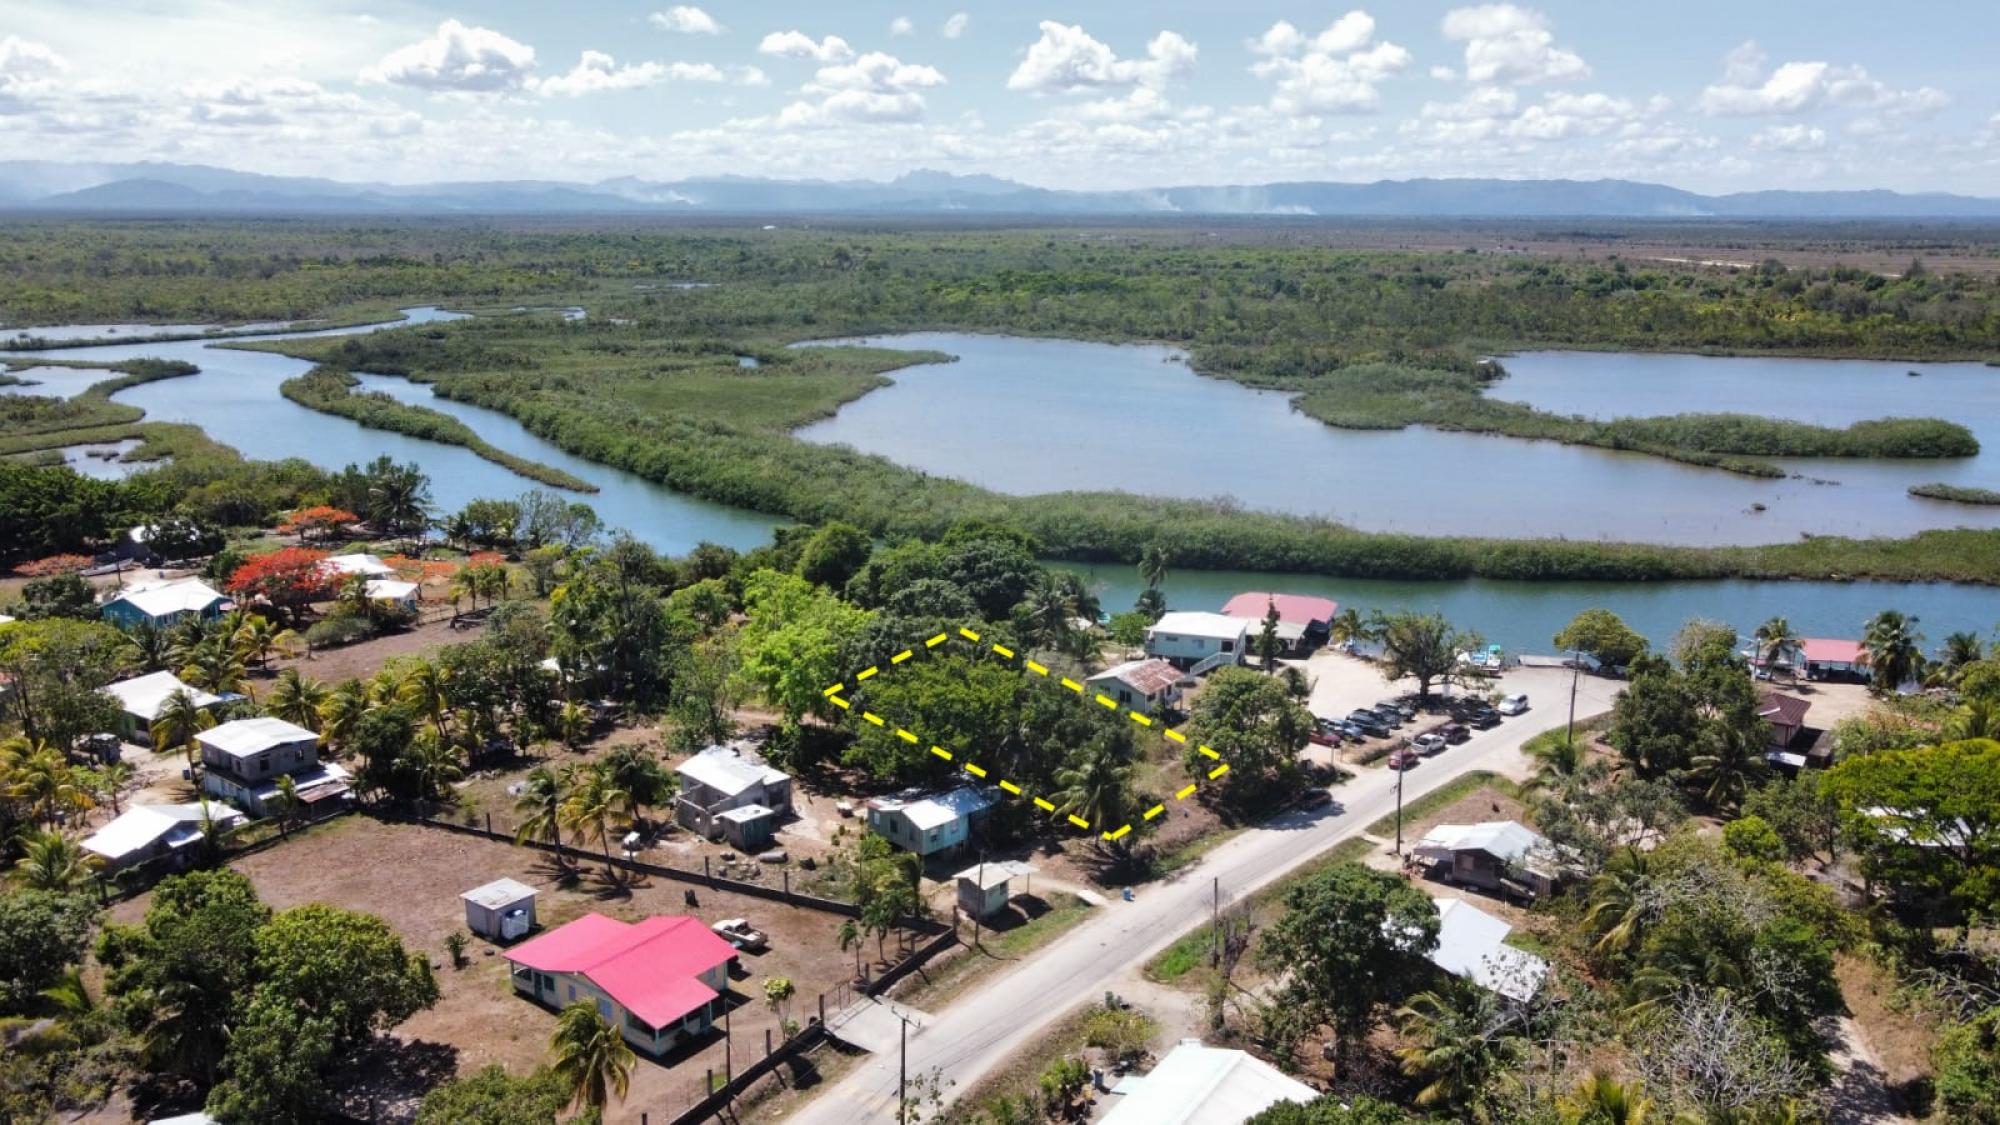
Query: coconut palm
(1561, 765)
(462, 588)
(43, 780)
(590, 1056)
(1044, 615)
(1603, 1100)
(1153, 563)
(851, 936)
(1894, 649)
(297, 700)
(1775, 640)
(215, 666)
(426, 687)
(1727, 758)
(255, 639)
(1152, 604)
(1620, 902)
(541, 806)
(434, 764)
(155, 645)
(1347, 625)
(636, 771)
(1958, 650)
(112, 780)
(286, 803)
(595, 806)
(179, 720)
(1096, 784)
(340, 712)
(1979, 718)
(51, 861)
(1458, 1039)
(572, 724)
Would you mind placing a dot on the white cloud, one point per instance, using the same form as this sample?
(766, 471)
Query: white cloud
(685, 20)
(1505, 43)
(875, 71)
(1067, 59)
(1561, 116)
(874, 88)
(596, 72)
(901, 25)
(1444, 74)
(1335, 71)
(457, 59)
(956, 25)
(27, 72)
(1791, 138)
(1799, 87)
(1744, 64)
(1495, 113)
(799, 45)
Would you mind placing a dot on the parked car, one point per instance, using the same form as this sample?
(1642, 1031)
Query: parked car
(1395, 711)
(1403, 759)
(1369, 722)
(1484, 720)
(1351, 732)
(1429, 743)
(1321, 736)
(1455, 732)
(1513, 705)
(741, 934)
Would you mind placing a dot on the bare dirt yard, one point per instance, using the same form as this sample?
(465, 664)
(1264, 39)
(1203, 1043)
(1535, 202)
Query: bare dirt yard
(412, 875)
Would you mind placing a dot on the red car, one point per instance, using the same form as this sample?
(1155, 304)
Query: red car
(1403, 759)
(1320, 737)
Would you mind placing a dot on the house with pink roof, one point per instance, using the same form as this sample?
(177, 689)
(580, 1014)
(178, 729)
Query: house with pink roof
(660, 981)
(1303, 620)
(1830, 659)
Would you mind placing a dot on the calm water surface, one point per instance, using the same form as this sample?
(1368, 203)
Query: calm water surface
(1029, 416)
(56, 382)
(235, 399)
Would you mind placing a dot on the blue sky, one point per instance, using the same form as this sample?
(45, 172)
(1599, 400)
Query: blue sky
(1703, 94)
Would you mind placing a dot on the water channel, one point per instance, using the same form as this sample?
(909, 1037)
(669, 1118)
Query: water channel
(236, 400)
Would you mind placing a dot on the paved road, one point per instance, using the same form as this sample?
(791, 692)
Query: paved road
(984, 1028)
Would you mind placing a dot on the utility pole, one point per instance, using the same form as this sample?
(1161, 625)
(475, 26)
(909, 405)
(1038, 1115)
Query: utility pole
(1575, 671)
(903, 1071)
(1399, 806)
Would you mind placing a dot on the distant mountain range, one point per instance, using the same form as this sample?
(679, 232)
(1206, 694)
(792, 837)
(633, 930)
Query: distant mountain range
(192, 189)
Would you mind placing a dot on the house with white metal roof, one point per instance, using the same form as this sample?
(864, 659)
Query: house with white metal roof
(141, 699)
(348, 566)
(1199, 1085)
(719, 781)
(927, 825)
(1472, 944)
(393, 591)
(243, 760)
(148, 832)
(164, 603)
(1495, 855)
(1189, 637)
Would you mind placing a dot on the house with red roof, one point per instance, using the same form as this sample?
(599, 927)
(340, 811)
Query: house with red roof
(659, 981)
(1303, 621)
(1830, 659)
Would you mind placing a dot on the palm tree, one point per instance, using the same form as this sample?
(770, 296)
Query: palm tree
(1958, 650)
(591, 1056)
(297, 700)
(1347, 625)
(1603, 1100)
(1620, 902)
(114, 778)
(427, 687)
(42, 779)
(1979, 718)
(1560, 766)
(434, 762)
(1153, 563)
(541, 805)
(1151, 603)
(286, 804)
(51, 861)
(341, 712)
(1727, 758)
(1457, 1040)
(155, 645)
(215, 666)
(572, 723)
(255, 639)
(1096, 784)
(179, 720)
(1045, 615)
(595, 806)
(1775, 640)
(851, 937)
(635, 770)
(1894, 651)
(463, 586)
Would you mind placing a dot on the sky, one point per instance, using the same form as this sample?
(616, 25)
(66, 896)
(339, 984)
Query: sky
(1702, 94)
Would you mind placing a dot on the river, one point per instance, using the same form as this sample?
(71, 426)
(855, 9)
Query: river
(235, 399)
(1062, 415)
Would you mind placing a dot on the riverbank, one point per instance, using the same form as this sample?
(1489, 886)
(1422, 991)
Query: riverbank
(331, 391)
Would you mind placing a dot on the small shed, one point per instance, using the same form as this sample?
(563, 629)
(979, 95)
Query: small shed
(502, 910)
(749, 827)
(983, 888)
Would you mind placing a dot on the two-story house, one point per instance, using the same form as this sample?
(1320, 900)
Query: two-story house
(719, 780)
(243, 760)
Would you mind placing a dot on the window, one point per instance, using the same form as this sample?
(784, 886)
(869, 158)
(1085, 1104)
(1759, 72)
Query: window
(1229, 646)
(263, 762)
(572, 991)
(1124, 696)
(604, 1008)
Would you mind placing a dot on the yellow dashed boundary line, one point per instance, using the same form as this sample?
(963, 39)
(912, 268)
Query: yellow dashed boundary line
(833, 695)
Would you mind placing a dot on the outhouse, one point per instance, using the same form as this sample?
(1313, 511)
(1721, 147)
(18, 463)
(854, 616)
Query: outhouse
(500, 911)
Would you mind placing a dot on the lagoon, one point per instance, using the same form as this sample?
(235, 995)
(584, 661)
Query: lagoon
(1029, 416)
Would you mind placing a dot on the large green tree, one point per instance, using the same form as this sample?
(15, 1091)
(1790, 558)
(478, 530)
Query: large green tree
(791, 645)
(1351, 942)
(40, 934)
(1421, 646)
(1601, 634)
(1256, 727)
(1927, 821)
(491, 1096)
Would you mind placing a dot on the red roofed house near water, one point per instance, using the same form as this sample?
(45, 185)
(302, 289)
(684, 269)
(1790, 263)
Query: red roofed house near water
(1827, 659)
(660, 981)
(1303, 621)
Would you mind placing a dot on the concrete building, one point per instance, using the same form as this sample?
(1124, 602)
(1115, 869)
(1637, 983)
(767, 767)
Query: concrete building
(1202, 1085)
(659, 981)
(243, 760)
(1187, 638)
(1496, 855)
(141, 699)
(719, 780)
(927, 825)
(148, 832)
(1472, 944)
(1303, 621)
(984, 889)
(1145, 686)
(500, 911)
(164, 603)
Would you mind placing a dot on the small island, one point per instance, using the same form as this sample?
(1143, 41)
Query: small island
(1956, 494)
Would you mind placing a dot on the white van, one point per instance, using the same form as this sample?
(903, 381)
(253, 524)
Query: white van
(1513, 705)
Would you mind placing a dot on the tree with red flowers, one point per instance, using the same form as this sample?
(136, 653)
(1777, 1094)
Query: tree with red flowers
(54, 565)
(319, 521)
(287, 578)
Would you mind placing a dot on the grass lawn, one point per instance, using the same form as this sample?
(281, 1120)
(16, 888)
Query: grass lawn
(997, 949)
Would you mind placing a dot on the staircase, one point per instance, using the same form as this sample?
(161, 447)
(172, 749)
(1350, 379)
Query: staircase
(1210, 664)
